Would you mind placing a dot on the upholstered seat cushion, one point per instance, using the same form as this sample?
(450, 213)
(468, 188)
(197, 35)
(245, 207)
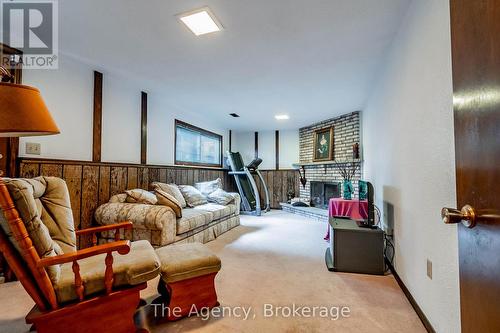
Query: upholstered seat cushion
(140, 265)
(44, 206)
(193, 218)
(218, 211)
(185, 261)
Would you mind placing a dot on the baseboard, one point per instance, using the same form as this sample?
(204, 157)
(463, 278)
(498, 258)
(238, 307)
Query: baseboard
(412, 301)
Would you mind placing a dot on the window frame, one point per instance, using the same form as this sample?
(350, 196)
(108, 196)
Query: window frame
(178, 122)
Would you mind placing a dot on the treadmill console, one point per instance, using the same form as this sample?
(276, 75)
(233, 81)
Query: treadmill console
(254, 164)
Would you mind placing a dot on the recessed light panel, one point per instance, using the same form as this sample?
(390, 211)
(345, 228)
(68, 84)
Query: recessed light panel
(201, 21)
(281, 117)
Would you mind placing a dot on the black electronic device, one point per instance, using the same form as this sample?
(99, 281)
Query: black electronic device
(366, 190)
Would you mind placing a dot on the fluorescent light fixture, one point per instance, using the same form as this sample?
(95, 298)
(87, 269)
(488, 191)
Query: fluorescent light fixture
(201, 21)
(282, 117)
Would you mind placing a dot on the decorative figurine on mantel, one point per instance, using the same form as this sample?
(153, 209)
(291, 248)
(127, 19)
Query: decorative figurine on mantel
(303, 179)
(347, 171)
(355, 151)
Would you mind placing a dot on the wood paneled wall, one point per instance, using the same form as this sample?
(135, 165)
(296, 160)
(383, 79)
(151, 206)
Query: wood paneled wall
(91, 184)
(279, 183)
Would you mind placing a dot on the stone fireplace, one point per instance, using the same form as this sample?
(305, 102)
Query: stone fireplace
(324, 180)
(346, 134)
(322, 192)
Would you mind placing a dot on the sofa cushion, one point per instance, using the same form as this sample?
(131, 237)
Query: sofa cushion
(44, 206)
(192, 195)
(220, 197)
(140, 265)
(155, 217)
(139, 195)
(168, 200)
(186, 261)
(122, 197)
(208, 187)
(193, 218)
(218, 211)
(171, 189)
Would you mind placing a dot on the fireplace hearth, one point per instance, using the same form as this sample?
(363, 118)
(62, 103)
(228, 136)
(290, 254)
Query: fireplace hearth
(322, 192)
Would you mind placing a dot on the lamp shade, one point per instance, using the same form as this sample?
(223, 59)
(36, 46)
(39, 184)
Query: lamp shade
(23, 112)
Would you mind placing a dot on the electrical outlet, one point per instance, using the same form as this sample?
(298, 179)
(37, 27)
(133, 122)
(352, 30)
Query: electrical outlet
(429, 269)
(33, 148)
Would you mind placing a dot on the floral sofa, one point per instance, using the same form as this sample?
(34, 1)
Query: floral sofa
(160, 226)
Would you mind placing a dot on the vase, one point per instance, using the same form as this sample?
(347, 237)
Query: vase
(347, 190)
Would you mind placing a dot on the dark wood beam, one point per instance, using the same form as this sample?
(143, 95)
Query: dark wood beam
(230, 140)
(256, 144)
(277, 148)
(144, 127)
(97, 128)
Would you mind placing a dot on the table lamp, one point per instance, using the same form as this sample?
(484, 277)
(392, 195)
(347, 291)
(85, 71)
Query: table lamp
(22, 110)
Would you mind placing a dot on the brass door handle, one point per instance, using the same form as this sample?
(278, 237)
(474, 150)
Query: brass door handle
(466, 216)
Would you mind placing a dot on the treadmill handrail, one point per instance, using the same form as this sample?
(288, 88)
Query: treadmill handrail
(237, 173)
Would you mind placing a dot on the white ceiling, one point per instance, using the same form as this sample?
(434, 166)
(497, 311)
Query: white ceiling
(311, 59)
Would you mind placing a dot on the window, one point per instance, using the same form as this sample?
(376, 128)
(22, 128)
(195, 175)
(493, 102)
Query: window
(196, 146)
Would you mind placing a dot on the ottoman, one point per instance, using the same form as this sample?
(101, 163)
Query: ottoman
(187, 278)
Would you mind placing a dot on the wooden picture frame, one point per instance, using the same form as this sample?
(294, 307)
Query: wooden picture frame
(323, 145)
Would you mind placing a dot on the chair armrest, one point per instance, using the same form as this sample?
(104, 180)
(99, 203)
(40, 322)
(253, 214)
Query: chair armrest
(122, 247)
(116, 226)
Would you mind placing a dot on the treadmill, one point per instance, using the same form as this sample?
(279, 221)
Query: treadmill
(243, 175)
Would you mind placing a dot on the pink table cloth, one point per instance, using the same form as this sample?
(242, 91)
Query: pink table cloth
(355, 209)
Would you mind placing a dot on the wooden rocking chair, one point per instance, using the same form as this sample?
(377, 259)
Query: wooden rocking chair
(102, 300)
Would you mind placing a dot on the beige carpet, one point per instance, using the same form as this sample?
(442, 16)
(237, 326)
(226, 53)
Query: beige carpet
(277, 259)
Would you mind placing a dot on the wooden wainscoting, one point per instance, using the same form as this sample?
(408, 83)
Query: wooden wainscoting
(91, 184)
(279, 182)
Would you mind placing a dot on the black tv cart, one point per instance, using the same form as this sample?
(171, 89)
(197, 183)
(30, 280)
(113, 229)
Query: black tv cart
(354, 249)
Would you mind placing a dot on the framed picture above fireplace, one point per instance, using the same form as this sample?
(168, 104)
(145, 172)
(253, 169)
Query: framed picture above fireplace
(323, 145)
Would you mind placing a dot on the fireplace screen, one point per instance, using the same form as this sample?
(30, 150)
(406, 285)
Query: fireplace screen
(322, 192)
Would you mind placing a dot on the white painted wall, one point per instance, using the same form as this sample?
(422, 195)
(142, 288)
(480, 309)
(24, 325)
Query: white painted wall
(121, 120)
(267, 149)
(244, 142)
(409, 156)
(68, 93)
(289, 148)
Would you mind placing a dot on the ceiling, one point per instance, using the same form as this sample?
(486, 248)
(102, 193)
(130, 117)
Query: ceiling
(310, 59)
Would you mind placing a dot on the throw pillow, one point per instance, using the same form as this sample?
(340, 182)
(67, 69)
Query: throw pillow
(220, 197)
(171, 189)
(169, 200)
(192, 195)
(208, 187)
(141, 196)
(122, 197)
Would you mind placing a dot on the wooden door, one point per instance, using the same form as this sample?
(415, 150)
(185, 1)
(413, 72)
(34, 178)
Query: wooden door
(475, 26)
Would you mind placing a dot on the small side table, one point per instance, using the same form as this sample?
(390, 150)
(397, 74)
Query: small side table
(355, 209)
